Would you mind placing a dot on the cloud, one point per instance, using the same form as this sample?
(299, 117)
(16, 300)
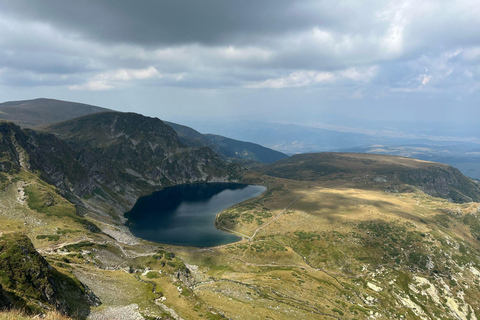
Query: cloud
(425, 79)
(309, 77)
(93, 85)
(129, 74)
(379, 49)
(121, 77)
(295, 79)
(359, 74)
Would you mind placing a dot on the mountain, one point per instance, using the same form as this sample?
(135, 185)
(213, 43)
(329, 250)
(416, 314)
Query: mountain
(42, 112)
(245, 150)
(226, 147)
(457, 148)
(32, 113)
(335, 236)
(290, 138)
(295, 138)
(388, 172)
(109, 158)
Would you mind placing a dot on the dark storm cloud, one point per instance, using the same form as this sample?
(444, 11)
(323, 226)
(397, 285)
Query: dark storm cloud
(239, 52)
(154, 22)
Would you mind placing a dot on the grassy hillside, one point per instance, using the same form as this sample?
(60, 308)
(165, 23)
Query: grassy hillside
(390, 173)
(31, 113)
(331, 250)
(29, 282)
(313, 249)
(128, 279)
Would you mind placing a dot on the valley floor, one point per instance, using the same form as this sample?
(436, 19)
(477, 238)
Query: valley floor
(311, 250)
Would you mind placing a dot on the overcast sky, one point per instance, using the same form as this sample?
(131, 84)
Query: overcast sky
(283, 60)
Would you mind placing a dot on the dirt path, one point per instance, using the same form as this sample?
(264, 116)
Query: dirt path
(274, 219)
(51, 249)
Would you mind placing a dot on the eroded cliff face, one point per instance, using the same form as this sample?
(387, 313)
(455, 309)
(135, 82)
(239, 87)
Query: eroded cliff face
(142, 154)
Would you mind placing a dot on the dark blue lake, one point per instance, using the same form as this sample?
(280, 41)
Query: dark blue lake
(185, 215)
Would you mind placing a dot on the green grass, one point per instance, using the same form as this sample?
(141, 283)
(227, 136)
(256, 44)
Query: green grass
(152, 275)
(48, 237)
(44, 199)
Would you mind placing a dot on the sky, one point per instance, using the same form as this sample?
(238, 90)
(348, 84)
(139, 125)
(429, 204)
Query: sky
(287, 61)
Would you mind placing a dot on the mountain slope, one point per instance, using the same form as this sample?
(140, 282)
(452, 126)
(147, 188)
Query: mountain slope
(31, 113)
(380, 170)
(110, 159)
(328, 242)
(229, 148)
(245, 150)
(127, 155)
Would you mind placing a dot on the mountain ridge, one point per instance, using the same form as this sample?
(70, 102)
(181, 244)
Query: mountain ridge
(387, 171)
(32, 113)
(42, 112)
(233, 149)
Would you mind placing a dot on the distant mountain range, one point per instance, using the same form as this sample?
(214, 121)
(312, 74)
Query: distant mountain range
(292, 139)
(229, 148)
(269, 141)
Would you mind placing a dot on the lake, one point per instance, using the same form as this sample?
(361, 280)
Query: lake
(185, 214)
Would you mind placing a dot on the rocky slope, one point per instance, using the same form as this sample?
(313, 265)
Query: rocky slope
(143, 148)
(28, 281)
(388, 172)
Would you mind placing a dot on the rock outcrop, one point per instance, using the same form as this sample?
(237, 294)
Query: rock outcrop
(32, 283)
